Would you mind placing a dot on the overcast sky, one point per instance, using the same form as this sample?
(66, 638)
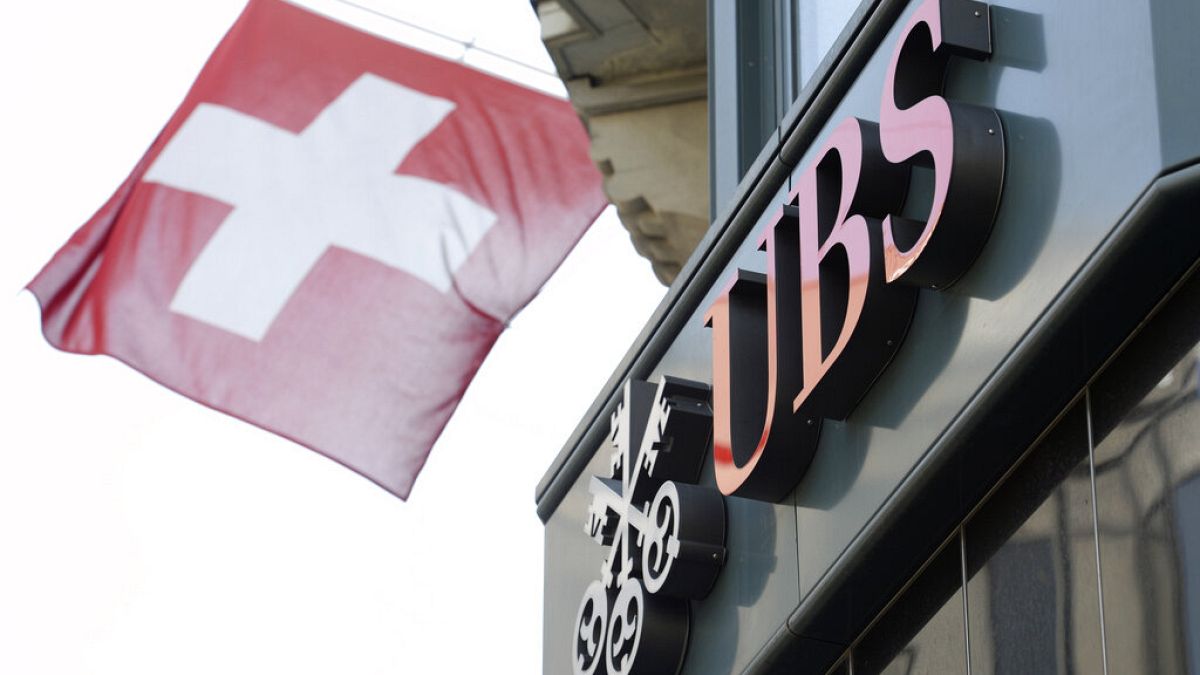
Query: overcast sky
(144, 533)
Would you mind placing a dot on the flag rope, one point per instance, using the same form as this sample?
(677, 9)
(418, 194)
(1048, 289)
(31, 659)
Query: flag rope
(468, 45)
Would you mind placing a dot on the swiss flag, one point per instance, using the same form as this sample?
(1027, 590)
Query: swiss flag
(327, 237)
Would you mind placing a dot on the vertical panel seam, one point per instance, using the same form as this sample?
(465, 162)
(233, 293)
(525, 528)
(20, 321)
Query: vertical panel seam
(796, 530)
(1087, 405)
(962, 566)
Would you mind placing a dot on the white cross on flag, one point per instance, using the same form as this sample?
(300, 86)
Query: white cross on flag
(327, 237)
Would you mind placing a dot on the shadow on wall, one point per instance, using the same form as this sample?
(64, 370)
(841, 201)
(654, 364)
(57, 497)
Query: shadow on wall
(1028, 204)
(718, 622)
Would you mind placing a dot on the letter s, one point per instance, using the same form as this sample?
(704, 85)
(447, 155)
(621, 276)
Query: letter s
(963, 143)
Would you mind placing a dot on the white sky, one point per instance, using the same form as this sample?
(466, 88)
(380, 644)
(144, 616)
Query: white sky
(144, 533)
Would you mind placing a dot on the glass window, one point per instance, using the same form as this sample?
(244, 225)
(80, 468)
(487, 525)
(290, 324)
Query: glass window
(780, 43)
(923, 631)
(1148, 504)
(757, 66)
(777, 46)
(1032, 596)
(1145, 416)
(1187, 525)
(818, 24)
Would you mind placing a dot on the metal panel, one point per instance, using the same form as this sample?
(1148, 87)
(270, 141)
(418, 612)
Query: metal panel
(754, 593)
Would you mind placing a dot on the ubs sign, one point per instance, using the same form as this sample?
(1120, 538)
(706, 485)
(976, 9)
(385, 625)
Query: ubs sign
(804, 342)
(798, 345)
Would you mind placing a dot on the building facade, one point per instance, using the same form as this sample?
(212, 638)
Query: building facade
(924, 398)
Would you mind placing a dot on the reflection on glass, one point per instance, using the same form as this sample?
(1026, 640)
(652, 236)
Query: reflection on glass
(1021, 621)
(1032, 595)
(1148, 507)
(1188, 529)
(842, 668)
(923, 632)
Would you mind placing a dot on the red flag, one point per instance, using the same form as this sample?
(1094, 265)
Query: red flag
(327, 237)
